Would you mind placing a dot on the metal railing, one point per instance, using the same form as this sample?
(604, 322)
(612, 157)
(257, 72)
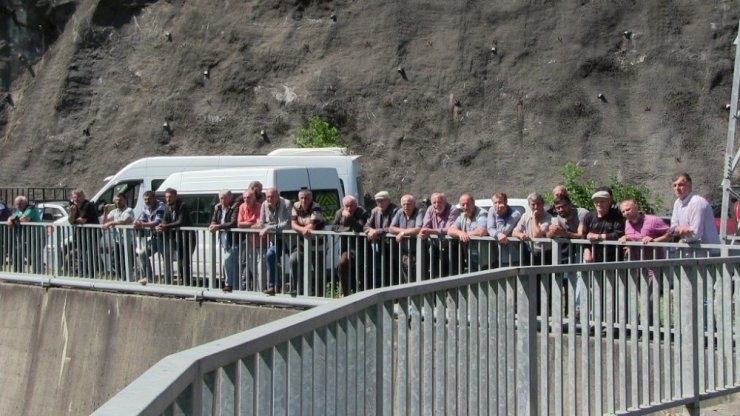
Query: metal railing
(650, 335)
(326, 264)
(35, 194)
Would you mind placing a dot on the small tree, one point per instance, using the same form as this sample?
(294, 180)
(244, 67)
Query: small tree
(580, 190)
(318, 134)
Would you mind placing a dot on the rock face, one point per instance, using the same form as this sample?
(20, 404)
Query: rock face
(450, 96)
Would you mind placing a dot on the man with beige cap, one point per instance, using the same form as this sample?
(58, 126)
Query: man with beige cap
(378, 224)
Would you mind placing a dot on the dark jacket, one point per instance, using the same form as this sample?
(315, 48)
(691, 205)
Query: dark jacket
(84, 210)
(351, 224)
(232, 213)
(176, 215)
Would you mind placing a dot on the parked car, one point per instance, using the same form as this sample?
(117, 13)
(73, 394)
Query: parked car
(52, 211)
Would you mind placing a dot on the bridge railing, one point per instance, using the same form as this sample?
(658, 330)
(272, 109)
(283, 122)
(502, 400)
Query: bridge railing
(650, 335)
(325, 264)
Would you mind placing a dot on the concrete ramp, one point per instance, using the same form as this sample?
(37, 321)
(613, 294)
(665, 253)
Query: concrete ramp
(67, 351)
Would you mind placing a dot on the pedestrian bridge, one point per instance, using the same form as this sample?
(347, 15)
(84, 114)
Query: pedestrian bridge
(498, 337)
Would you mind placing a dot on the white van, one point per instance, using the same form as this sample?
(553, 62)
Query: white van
(199, 189)
(149, 173)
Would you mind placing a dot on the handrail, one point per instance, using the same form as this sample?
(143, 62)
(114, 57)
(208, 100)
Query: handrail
(160, 388)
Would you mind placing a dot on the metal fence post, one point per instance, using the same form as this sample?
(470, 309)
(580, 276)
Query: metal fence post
(689, 337)
(526, 347)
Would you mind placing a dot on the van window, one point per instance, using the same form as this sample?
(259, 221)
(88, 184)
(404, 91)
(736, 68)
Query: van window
(201, 208)
(129, 188)
(156, 183)
(327, 198)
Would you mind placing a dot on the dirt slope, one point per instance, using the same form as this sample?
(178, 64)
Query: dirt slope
(459, 117)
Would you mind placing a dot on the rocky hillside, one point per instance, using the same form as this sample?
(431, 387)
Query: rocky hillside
(435, 95)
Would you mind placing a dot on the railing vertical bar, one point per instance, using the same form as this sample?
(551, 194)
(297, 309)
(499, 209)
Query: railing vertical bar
(474, 355)
(678, 334)
(572, 382)
(451, 362)
(427, 354)
(586, 311)
(461, 349)
(295, 377)
(612, 303)
(623, 361)
(598, 374)
(343, 360)
(264, 379)
(353, 363)
(634, 351)
(307, 370)
(543, 281)
(644, 337)
(558, 377)
(227, 389)
(509, 354)
(485, 342)
(690, 328)
(495, 334)
(710, 328)
(526, 344)
(701, 328)
(319, 371)
(726, 376)
(362, 378)
(736, 321)
(439, 351)
(280, 380)
(208, 393)
(332, 367)
(401, 378)
(654, 288)
(416, 353)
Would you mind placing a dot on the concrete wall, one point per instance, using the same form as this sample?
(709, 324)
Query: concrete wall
(65, 351)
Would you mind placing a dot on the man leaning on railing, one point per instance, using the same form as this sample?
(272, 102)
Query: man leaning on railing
(148, 241)
(274, 218)
(28, 241)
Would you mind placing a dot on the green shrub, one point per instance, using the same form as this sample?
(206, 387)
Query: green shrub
(581, 189)
(318, 134)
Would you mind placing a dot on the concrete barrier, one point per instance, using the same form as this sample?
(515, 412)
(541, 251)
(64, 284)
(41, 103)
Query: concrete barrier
(67, 351)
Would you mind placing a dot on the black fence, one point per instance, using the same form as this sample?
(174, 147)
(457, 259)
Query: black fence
(34, 195)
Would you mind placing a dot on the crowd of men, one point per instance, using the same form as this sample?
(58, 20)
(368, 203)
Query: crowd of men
(692, 221)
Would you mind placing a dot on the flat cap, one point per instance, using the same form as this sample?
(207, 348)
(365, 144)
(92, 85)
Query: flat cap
(601, 195)
(383, 195)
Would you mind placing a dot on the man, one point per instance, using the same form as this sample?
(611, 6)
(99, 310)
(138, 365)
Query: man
(692, 220)
(116, 241)
(472, 222)
(604, 223)
(175, 241)
(82, 211)
(252, 245)
(437, 221)
(558, 191)
(148, 241)
(256, 188)
(349, 219)
(378, 224)
(85, 240)
(644, 228)
(274, 217)
(306, 216)
(28, 240)
(407, 223)
(534, 224)
(566, 225)
(223, 220)
(501, 222)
